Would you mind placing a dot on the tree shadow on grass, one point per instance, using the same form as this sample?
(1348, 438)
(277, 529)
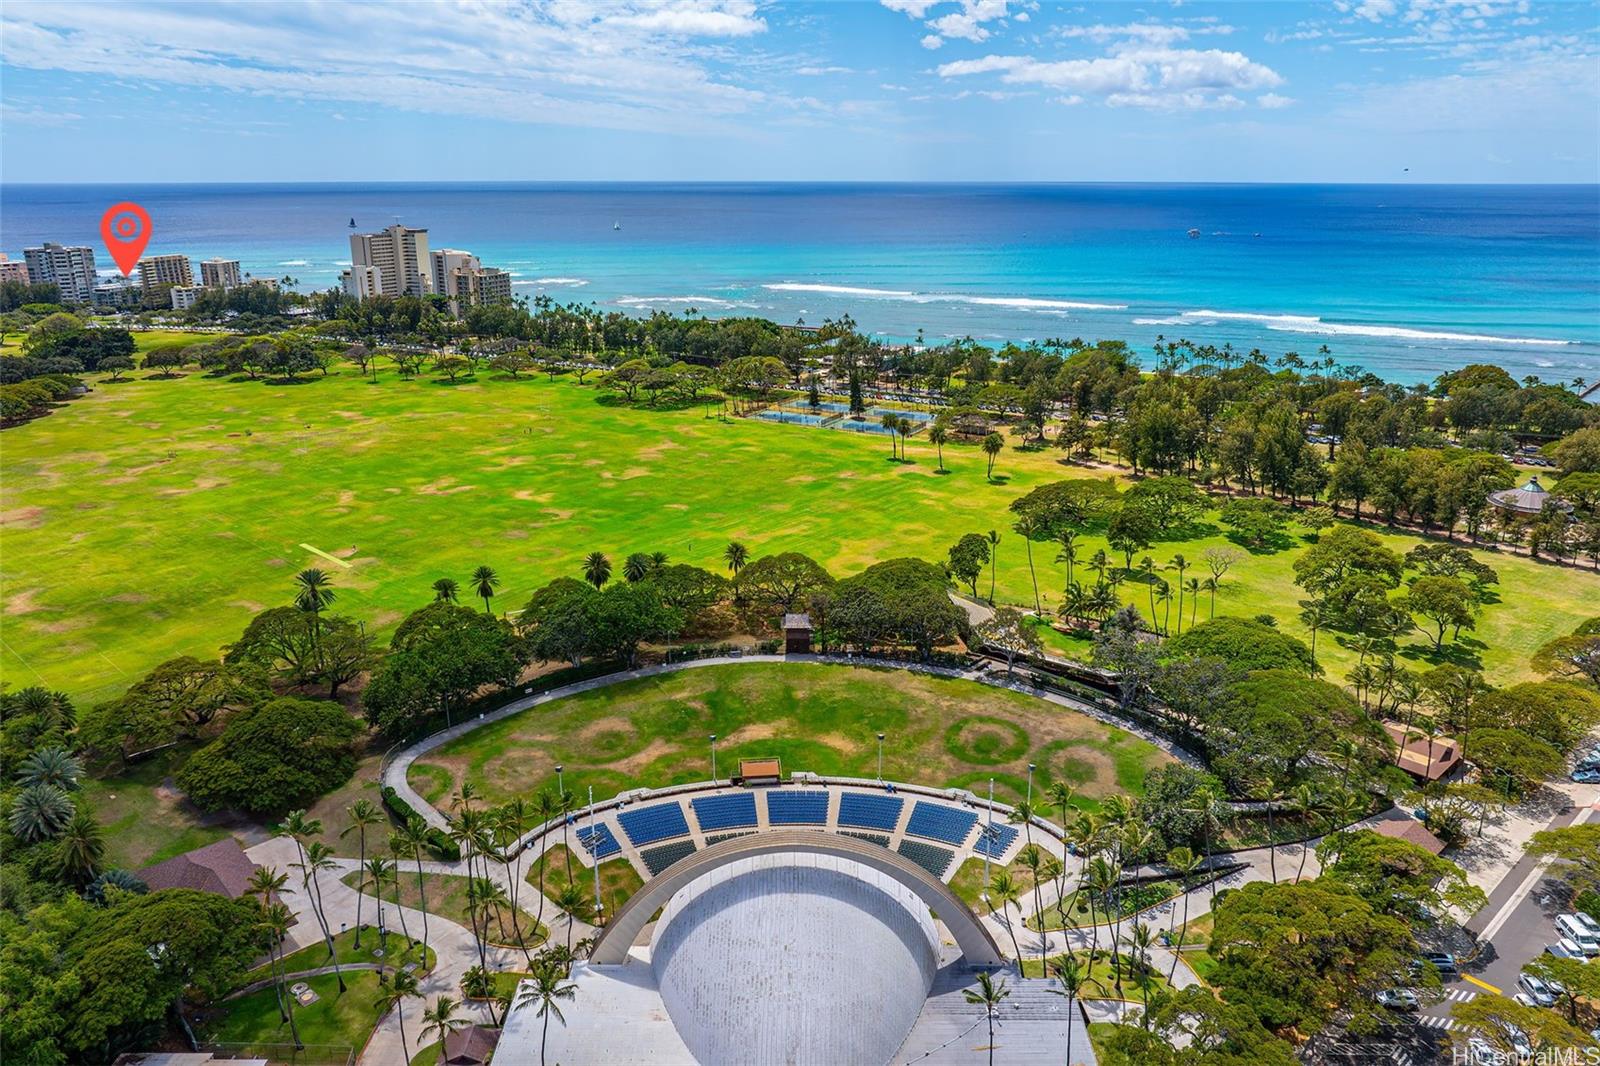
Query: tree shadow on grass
(999, 479)
(1464, 651)
(285, 382)
(1270, 545)
(464, 379)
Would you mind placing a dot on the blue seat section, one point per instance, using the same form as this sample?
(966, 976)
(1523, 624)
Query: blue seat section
(797, 808)
(724, 812)
(870, 812)
(599, 841)
(938, 822)
(659, 858)
(932, 859)
(994, 839)
(650, 824)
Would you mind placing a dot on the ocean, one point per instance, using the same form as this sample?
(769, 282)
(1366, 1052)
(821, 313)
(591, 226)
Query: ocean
(1404, 280)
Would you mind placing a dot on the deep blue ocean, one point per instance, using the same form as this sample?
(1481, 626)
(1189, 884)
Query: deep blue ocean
(1406, 281)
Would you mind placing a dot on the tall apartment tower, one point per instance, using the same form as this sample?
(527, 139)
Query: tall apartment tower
(220, 274)
(399, 254)
(11, 270)
(159, 273)
(445, 261)
(71, 269)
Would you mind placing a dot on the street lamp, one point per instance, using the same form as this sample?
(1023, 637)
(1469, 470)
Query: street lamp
(1030, 784)
(989, 834)
(560, 788)
(713, 758)
(880, 758)
(599, 908)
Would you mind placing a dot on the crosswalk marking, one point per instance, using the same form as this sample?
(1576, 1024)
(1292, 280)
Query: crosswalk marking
(1437, 1023)
(1461, 995)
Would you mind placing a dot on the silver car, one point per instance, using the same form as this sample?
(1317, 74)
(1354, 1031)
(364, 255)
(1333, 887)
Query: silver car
(1537, 990)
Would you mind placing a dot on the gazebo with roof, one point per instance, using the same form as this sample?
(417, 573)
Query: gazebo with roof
(1530, 499)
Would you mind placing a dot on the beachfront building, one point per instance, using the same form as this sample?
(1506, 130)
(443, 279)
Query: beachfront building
(11, 270)
(185, 296)
(158, 274)
(120, 294)
(467, 282)
(220, 274)
(70, 268)
(393, 262)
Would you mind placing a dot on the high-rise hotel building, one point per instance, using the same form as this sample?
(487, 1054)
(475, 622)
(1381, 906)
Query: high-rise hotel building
(159, 273)
(393, 262)
(220, 274)
(70, 268)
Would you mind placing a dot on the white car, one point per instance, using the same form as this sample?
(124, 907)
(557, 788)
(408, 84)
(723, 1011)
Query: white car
(1397, 999)
(1520, 1047)
(1587, 921)
(1537, 991)
(1565, 948)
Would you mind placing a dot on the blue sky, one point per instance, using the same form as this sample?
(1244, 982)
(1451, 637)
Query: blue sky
(954, 90)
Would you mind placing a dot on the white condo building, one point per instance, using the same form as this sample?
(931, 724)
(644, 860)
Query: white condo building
(184, 296)
(159, 273)
(71, 269)
(393, 262)
(220, 274)
(466, 281)
(11, 270)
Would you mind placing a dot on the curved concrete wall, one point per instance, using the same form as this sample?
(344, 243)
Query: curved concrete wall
(785, 959)
(976, 944)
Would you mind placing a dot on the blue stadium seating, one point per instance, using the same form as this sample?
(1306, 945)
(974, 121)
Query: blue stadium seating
(994, 840)
(724, 812)
(659, 858)
(938, 822)
(599, 841)
(932, 859)
(647, 825)
(869, 811)
(797, 808)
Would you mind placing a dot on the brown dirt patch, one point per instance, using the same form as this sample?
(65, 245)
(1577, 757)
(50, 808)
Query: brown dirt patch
(22, 602)
(445, 486)
(22, 518)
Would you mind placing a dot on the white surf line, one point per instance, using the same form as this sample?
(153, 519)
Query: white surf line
(325, 555)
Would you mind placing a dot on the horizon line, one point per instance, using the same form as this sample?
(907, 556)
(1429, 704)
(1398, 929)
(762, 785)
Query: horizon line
(975, 183)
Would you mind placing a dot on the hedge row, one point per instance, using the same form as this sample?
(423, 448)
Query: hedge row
(438, 841)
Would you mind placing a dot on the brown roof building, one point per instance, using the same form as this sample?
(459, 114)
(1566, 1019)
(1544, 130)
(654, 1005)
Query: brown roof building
(1411, 830)
(1421, 758)
(222, 868)
(471, 1046)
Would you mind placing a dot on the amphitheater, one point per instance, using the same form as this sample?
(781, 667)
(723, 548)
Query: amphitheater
(808, 922)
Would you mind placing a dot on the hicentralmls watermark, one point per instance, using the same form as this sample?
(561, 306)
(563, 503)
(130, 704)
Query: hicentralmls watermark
(1548, 1056)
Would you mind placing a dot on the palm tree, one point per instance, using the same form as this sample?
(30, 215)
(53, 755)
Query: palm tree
(1027, 526)
(1184, 863)
(1164, 595)
(363, 814)
(937, 437)
(40, 812)
(636, 567)
(80, 848)
(1069, 551)
(1071, 979)
(313, 593)
(1210, 585)
(1061, 795)
(445, 590)
(1099, 562)
(989, 993)
(1003, 893)
(1180, 564)
(379, 871)
(991, 448)
(393, 991)
(994, 558)
(1272, 793)
(596, 569)
(509, 823)
(1034, 859)
(1211, 809)
(574, 903)
(317, 858)
(441, 1020)
(398, 846)
(1147, 567)
(1138, 940)
(274, 921)
(53, 766)
(1347, 750)
(566, 803)
(546, 806)
(546, 988)
(415, 835)
(1305, 801)
(1192, 585)
(736, 555)
(266, 882)
(484, 582)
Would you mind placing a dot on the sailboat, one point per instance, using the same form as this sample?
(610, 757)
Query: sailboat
(352, 223)
(616, 225)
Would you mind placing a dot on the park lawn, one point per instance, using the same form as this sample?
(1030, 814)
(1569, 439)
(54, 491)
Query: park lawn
(1136, 899)
(333, 811)
(447, 897)
(618, 879)
(337, 1020)
(145, 818)
(968, 882)
(651, 732)
(1103, 984)
(315, 956)
(197, 498)
(143, 341)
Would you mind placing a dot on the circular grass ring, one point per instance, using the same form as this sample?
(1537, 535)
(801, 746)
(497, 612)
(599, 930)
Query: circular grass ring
(1060, 764)
(985, 740)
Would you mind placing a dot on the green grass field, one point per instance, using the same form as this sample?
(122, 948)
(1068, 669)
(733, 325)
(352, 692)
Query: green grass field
(152, 518)
(447, 897)
(653, 732)
(338, 1020)
(618, 879)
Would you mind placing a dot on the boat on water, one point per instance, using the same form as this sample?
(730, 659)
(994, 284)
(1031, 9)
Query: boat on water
(352, 223)
(1194, 235)
(616, 225)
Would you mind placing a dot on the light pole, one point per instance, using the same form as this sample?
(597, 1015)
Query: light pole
(713, 758)
(880, 758)
(599, 908)
(989, 834)
(560, 788)
(1030, 784)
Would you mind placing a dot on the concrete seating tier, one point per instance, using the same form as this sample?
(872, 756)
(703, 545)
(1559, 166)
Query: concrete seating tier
(933, 859)
(724, 812)
(866, 811)
(599, 841)
(647, 825)
(994, 840)
(659, 858)
(717, 838)
(880, 839)
(797, 808)
(939, 822)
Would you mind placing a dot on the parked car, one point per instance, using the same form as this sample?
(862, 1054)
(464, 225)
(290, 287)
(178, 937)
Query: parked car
(1442, 961)
(1397, 999)
(1570, 927)
(1479, 1053)
(1587, 921)
(1520, 1045)
(1564, 948)
(1524, 1000)
(1537, 990)
(1586, 777)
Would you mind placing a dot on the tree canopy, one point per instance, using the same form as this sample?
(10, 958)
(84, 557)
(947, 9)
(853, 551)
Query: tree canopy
(269, 759)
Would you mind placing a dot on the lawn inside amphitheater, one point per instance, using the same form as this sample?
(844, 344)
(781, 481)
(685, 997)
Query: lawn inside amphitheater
(653, 732)
(154, 517)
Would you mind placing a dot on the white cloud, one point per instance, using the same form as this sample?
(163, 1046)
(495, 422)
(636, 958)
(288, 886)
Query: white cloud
(968, 23)
(1134, 76)
(1272, 101)
(817, 72)
(932, 41)
(914, 8)
(1185, 101)
(1153, 32)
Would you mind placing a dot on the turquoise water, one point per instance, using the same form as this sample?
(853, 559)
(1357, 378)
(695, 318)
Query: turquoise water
(1406, 281)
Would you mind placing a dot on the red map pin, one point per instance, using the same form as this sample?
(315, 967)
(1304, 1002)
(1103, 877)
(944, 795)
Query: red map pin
(125, 228)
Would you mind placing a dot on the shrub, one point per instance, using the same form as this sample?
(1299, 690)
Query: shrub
(438, 842)
(270, 758)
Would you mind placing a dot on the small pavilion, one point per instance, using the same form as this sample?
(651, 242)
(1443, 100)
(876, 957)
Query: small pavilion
(797, 634)
(1529, 500)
